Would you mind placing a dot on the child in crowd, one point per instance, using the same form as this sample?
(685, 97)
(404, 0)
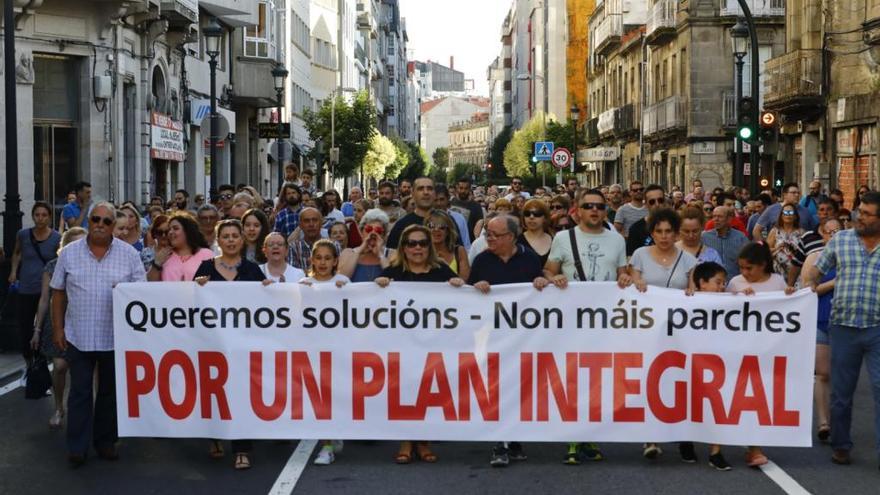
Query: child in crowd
(325, 259)
(711, 277)
(756, 275)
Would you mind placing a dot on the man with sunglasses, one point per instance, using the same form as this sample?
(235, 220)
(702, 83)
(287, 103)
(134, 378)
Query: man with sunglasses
(516, 189)
(632, 212)
(655, 198)
(82, 322)
(225, 193)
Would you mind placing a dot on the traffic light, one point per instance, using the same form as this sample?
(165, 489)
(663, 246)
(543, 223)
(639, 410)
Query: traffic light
(746, 127)
(768, 127)
(778, 175)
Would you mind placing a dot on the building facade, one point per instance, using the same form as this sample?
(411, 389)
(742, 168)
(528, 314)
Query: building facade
(469, 141)
(438, 115)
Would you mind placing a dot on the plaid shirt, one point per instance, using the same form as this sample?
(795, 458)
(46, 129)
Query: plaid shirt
(857, 287)
(299, 255)
(286, 221)
(89, 282)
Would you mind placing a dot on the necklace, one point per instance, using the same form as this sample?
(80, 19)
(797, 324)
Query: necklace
(228, 267)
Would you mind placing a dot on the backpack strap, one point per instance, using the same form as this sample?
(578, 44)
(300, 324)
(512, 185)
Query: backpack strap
(577, 257)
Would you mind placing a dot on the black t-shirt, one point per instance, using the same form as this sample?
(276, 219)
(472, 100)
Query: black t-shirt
(247, 272)
(441, 273)
(402, 223)
(638, 237)
(524, 266)
(471, 211)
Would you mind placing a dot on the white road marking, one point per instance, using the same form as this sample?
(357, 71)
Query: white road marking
(14, 384)
(781, 478)
(294, 468)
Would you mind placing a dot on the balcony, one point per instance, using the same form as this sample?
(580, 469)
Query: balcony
(253, 82)
(669, 115)
(759, 8)
(608, 34)
(625, 120)
(180, 13)
(661, 23)
(728, 109)
(605, 124)
(591, 131)
(793, 81)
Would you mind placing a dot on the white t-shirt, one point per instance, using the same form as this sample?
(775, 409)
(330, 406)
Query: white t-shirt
(772, 284)
(512, 195)
(628, 214)
(291, 275)
(336, 278)
(601, 254)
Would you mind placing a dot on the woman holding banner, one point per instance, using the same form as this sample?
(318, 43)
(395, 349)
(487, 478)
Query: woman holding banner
(230, 266)
(185, 250)
(417, 261)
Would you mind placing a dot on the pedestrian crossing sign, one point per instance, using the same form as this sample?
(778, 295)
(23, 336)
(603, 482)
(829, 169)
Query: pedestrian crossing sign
(544, 150)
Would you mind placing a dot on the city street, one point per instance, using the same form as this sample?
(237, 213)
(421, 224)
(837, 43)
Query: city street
(33, 460)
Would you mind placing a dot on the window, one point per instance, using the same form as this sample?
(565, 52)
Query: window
(683, 67)
(301, 34)
(259, 40)
(302, 100)
(324, 53)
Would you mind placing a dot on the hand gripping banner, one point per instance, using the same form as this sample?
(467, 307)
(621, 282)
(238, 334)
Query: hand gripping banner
(429, 361)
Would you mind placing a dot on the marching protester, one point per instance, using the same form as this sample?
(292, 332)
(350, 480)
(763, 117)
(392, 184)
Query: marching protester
(276, 267)
(82, 323)
(208, 216)
(444, 237)
(303, 238)
(631, 212)
(338, 233)
(783, 239)
(75, 213)
(690, 236)
(725, 240)
(185, 251)
(423, 197)
(535, 218)
(255, 225)
(365, 262)
(287, 217)
(639, 232)
(156, 240)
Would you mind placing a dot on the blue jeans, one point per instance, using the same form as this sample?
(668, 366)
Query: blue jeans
(91, 418)
(849, 346)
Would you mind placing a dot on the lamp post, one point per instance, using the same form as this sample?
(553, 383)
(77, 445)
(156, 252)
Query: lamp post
(12, 211)
(575, 120)
(739, 35)
(279, 74)
(213, 33)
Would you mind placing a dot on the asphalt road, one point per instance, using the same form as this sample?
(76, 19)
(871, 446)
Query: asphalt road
(33, 461)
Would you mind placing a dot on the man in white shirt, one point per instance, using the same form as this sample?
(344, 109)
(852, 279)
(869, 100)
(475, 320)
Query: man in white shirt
(633, 211)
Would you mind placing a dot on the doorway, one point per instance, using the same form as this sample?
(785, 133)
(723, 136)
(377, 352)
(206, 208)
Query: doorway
(55, 164)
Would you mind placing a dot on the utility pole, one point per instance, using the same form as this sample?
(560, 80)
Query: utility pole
(754, 155)
(12, 213)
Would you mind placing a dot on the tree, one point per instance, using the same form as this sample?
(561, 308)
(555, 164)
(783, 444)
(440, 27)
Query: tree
(518, 152)
(458, 171)
(401, 160)
(355, 126)
(496, 157)
(419, 164)
(380, 155)
(441, 164)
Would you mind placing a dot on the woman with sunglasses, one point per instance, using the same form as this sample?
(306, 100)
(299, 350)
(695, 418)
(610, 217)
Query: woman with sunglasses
(230, 266)
(185, 250)
(560, 219)
(365, 262)
(536, 236)
(417, 261)
(825, 290)
(783, 238)
(157, 236)
(444, 237)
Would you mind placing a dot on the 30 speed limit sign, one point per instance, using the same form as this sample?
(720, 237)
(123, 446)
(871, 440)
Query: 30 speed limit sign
(561, 158)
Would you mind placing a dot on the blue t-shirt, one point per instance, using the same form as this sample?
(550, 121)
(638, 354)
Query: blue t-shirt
(72, 211)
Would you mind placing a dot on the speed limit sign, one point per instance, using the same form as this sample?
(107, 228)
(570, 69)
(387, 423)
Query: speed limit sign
(561, 158)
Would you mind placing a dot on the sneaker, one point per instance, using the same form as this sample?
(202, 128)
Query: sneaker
(515, 452)
(325, 456)
(652, 451)
(718, 462)
(573, 457)
(687, 451)
(590, 451)
(499, 457)
(337, 446)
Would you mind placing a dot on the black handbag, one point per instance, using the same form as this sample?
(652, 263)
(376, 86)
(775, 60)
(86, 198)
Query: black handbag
(38, 379)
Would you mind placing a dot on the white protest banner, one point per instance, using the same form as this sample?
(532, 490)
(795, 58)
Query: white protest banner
(429, 361)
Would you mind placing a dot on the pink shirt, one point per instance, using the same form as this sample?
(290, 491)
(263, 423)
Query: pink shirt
(772, 284)
(176, 269)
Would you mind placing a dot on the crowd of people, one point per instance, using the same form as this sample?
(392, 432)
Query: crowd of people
(461, 234)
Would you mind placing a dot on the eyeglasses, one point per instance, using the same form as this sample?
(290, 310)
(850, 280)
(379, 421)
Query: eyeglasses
(844, 219)
(161, 232)
(410, 243)
(593, 206)
(636, 189)
(557, 207)
(96, 219)
(436, 226)
(533, 214)
(225, 196)
(377, 229)
(789, 213)
(652, 202)
(275, 245)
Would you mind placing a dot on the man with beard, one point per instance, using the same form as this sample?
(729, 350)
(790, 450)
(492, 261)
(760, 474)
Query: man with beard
(516, 189)
(386, 203)
(855, 318)
(463, 204)
(225, 193)
(181, 200)
(812, 199)
(423, 197)
(633, 211)
(571, 187)
(287, 220)
(405, 188)
(614, 201)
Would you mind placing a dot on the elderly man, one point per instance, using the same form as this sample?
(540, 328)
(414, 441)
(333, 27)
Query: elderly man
(855, 319)
(729, 200)
(300, 253)
(82, 323)
(725, 239)
(505, 262)
(355, 194)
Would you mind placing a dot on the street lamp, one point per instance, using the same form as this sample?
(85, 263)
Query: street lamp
(213, 34)
(575, 120)
(739, 35)
(279, 74)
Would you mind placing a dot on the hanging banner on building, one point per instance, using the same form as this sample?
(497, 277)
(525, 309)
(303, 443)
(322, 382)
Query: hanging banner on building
(167, 138)
(429, 361)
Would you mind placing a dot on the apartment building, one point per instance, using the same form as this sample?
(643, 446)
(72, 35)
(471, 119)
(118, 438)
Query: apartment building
(469, 141)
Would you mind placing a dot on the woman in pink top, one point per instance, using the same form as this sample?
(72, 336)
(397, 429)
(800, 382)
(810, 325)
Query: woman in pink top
(186, 250)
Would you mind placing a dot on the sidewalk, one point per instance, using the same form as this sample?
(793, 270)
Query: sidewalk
(10, 364)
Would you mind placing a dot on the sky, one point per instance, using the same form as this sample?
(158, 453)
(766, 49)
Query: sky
(469, 30)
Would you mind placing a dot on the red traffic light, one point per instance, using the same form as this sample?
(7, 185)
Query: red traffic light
(768, 119)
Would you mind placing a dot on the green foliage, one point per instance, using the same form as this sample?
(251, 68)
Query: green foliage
(355, 126)
(496, 157)
(401, 160)
(518, 153)
(418, 163)
(441, 158)
(381, 154)
(458, 171)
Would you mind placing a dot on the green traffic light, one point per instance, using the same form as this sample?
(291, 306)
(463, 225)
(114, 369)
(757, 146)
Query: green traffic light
(534, 159)
(745, 133)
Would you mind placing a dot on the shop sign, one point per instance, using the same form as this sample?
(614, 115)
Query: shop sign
(167, 138)
(599, 154)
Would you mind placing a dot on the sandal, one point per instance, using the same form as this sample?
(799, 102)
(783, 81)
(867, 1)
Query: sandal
(242, 461)
(404, 455)
(425, 454)
(824, 432)
(216, 449)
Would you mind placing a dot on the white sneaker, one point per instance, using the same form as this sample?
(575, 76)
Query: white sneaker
(652, 451)
(325, 456)
(337, 446)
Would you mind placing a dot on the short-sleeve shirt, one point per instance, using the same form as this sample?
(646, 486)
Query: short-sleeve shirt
(674, 276)
(33, 252)
(628, 214)
(176, 269)
(89, 282)
(728, 247)
(857, 287)
(600, 254)
(773, 284)
(72, 211)
(523, 266)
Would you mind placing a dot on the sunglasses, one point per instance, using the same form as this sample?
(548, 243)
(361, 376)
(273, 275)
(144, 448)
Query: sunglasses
(162, 232)
(593, 206)
(533, 214)
(636, 189)
(99, 219)
(516, 183)
(225, 196)
(788, 213)
(436, 226)
(371, 229)
(655, 202)
(419, 243)
(557, 207)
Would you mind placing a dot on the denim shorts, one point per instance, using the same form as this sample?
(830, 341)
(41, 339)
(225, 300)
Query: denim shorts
(822, 336)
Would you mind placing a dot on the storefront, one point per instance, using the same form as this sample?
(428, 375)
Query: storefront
(856, 149)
